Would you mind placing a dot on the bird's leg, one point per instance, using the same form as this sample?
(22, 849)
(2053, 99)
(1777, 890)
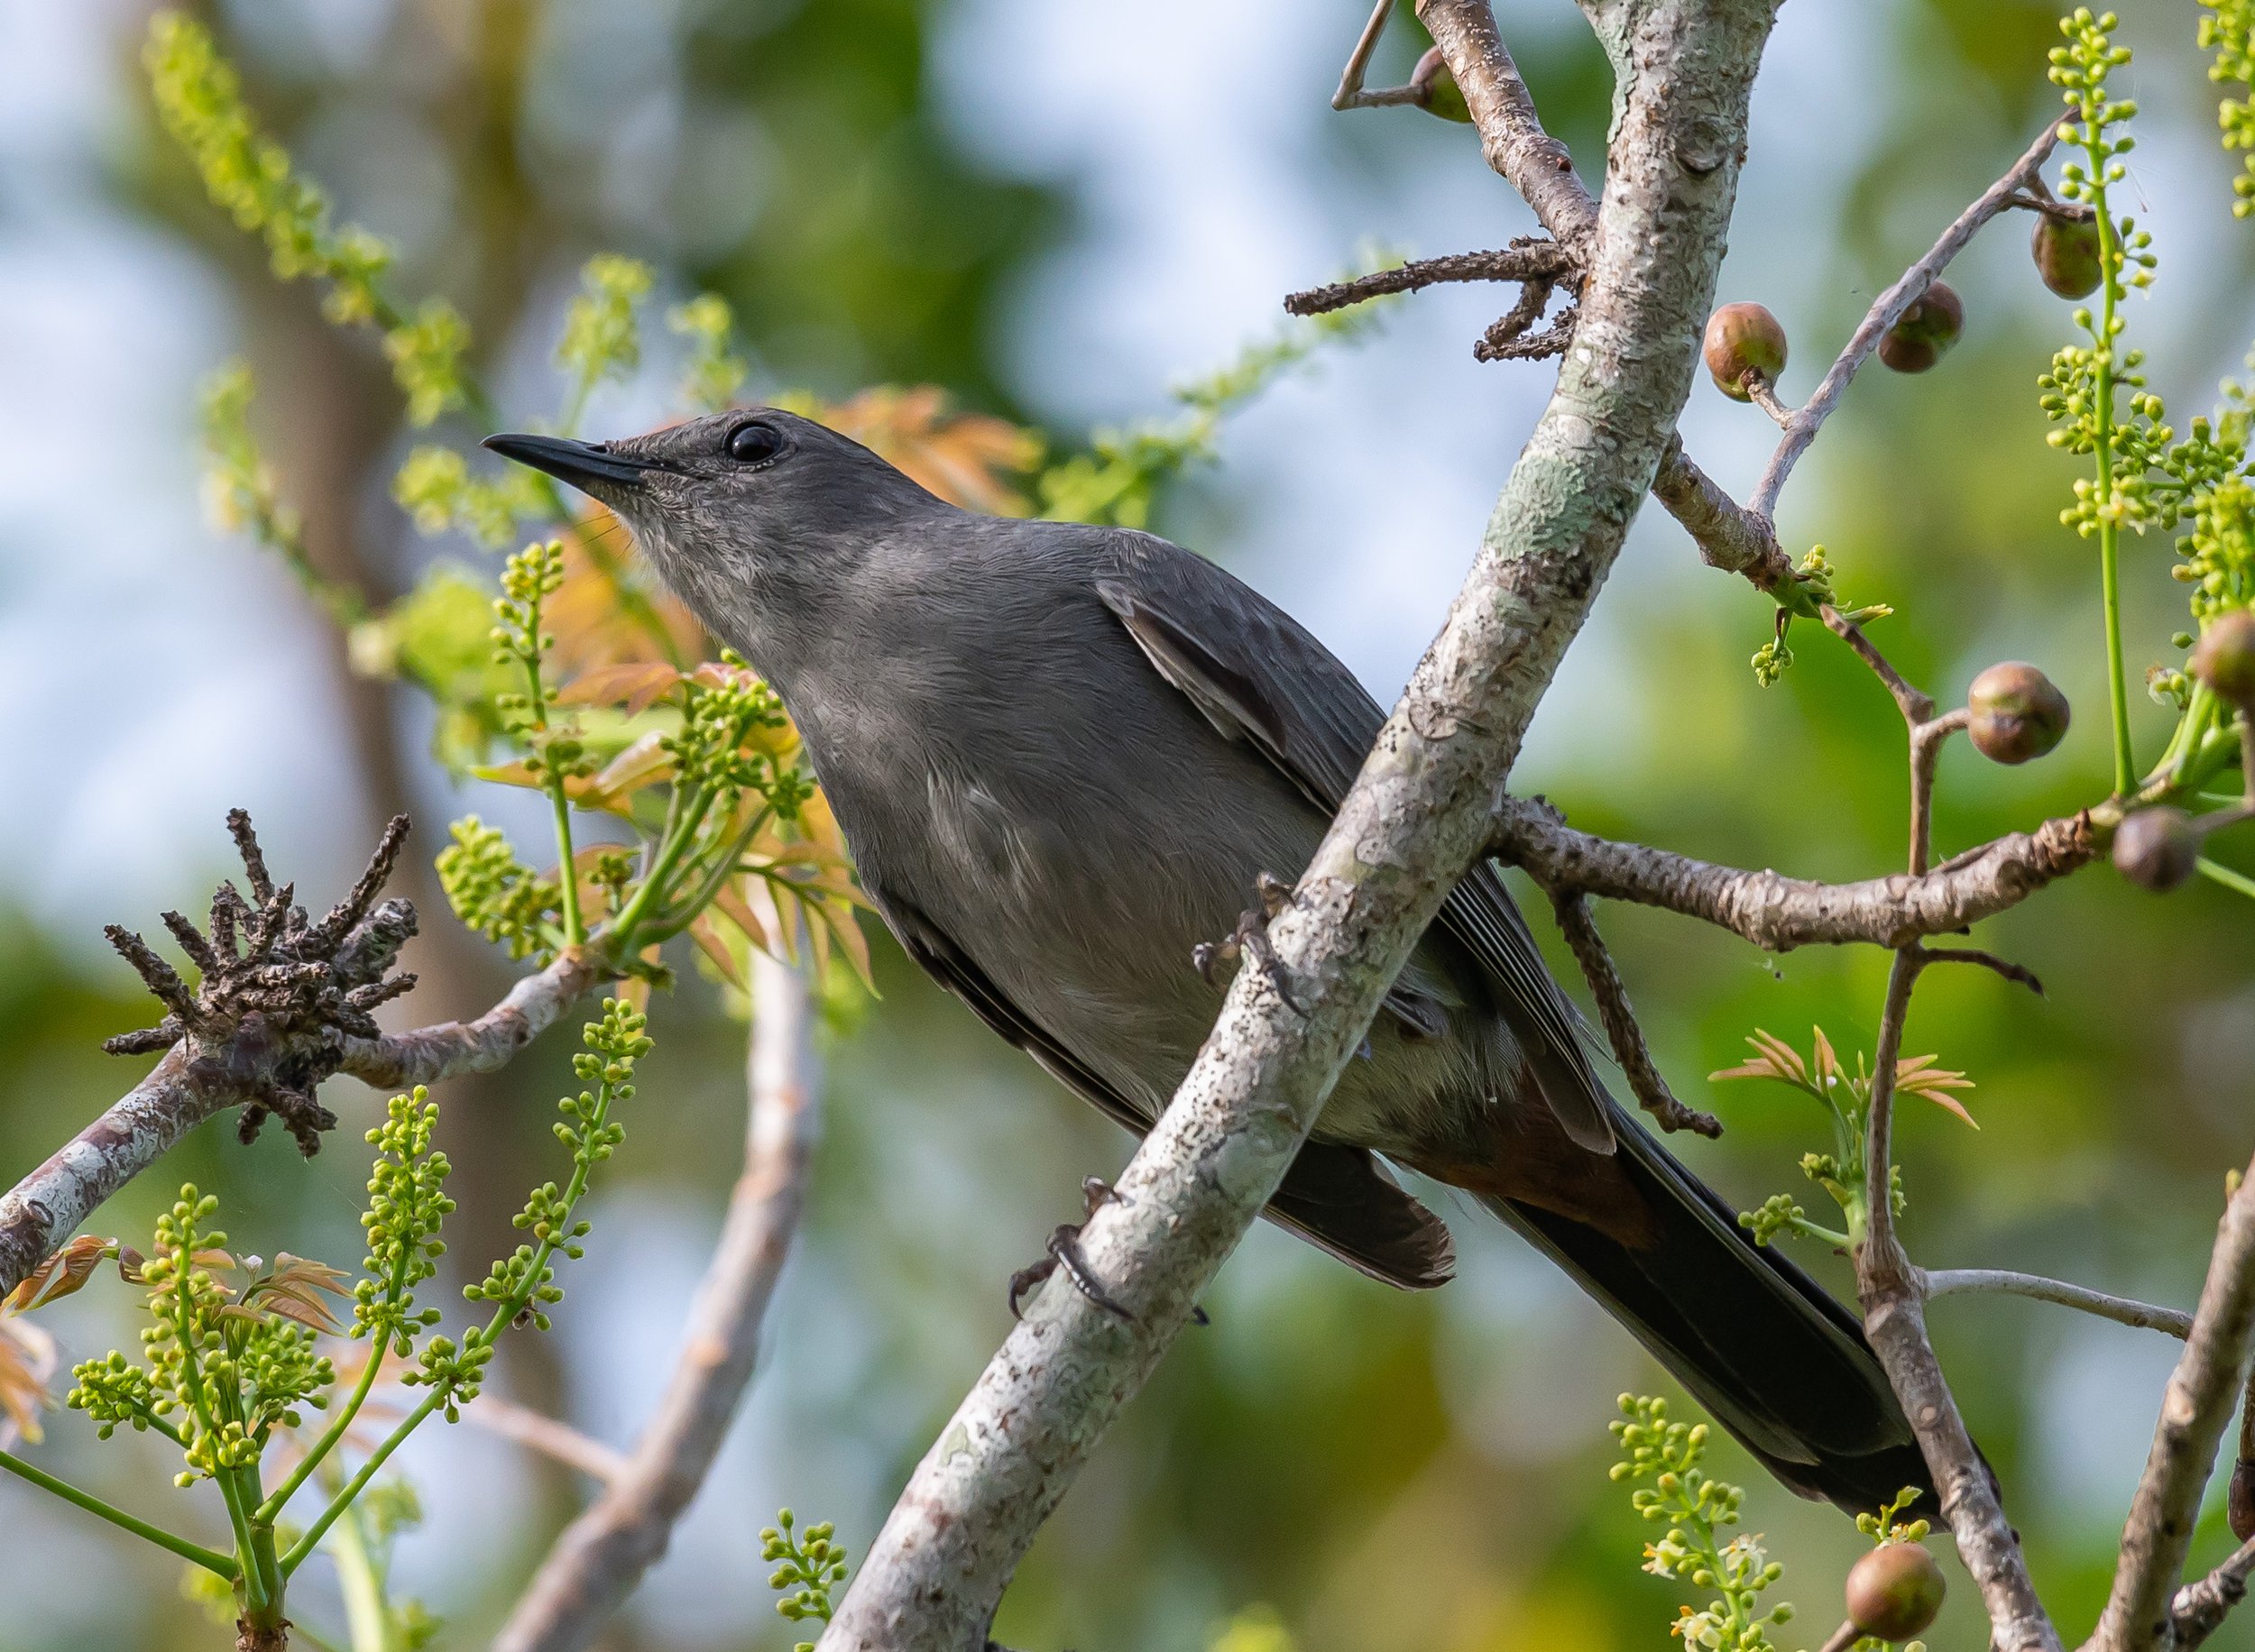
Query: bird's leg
(1064, 1252)
(1250, 939)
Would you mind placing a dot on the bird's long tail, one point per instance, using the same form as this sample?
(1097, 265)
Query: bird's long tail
(1759, 1344)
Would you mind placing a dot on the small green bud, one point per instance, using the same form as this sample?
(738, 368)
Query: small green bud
(1743, 338)
(1926, 331)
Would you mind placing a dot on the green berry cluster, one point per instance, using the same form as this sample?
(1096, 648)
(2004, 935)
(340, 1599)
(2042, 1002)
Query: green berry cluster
(2229, 31)
(601, 339)
(811, 1565)
(1662, 1459)
(496, 893)
(407, 1205)
(714, 372)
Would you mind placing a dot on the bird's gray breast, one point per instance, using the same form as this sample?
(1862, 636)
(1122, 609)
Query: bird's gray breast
(1070, 822)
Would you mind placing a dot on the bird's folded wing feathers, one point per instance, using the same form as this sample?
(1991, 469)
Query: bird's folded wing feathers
(1336, 1197)
(1259, 677)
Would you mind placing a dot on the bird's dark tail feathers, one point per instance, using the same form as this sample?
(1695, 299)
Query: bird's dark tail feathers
(1760, 1346)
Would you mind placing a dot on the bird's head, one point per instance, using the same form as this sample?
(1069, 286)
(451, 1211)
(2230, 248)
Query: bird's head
(751, 516)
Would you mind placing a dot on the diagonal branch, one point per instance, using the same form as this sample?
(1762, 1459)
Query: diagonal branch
(2198, 1610)
(1415, 818)
(1628, 1039)
(1801, 428)
(1778, 913)
(2121, 1311)
(604, 1553)
(2195, 1409)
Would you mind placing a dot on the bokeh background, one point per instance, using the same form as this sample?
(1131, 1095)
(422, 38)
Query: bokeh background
(1057, 211)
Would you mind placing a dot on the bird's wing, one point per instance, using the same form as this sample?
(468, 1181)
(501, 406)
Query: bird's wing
(1337, 1197)
(1260, 678)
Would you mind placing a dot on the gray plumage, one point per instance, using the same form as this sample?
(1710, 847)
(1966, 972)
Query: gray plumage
(1063, 756)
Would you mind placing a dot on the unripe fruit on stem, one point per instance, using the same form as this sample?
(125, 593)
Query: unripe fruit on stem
(2017, 714)
(2225, 658)
(1926, 331)
(2155, 848)
(2239, 1500)
(1894, 1592)
(1742, 339)
(1437, 89)
(2066, 252)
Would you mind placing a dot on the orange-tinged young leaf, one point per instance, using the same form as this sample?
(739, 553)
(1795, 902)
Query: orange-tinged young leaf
(600, 616)
(731, 904)
(1829, 1068)
(27, 1360)
(637, 684)
(964, 458)
(705, 931)
(1918, 1075)
(851, 941)
(1774, 1058)
(60, 1274)
(643, 763)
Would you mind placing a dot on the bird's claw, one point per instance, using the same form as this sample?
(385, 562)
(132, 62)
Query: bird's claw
(1250, 939)
(1064, 1252)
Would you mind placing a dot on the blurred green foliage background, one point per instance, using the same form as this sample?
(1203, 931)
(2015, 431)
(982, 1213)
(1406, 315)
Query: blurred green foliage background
(1053, 212)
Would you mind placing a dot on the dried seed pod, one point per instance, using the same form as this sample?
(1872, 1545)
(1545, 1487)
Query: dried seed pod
(2156, 848)
(2240, 1500)
(1437, 89)
(1926, 331)
(1742, 339)
(2017, 713)
(1895, 1590)
(2066, 254)
(2224, 659)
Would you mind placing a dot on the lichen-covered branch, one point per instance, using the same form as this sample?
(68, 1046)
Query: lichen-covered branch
(1777, 912)
(489, 1043)
(605, 1552)
(2195, 1409)
(1415, 818)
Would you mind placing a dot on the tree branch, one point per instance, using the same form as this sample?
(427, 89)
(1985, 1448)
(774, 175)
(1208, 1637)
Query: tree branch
(604, 1553)
(538, 1431)
(1528, 259)
(1801, 428)
(189, 1085)
(2198, 1609)
(2121, 1311)
(1629, 1048)
(1894, 1320)
(2195, 1410)
(1778, 913)
(1415, 818)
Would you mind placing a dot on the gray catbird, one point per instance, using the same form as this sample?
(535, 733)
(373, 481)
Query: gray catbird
(1063, 755)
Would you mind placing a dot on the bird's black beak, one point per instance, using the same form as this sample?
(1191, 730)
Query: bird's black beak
(578, 463)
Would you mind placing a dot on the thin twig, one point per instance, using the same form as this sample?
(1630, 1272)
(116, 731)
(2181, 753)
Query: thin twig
(2121, 1311)
(538, 1431)
(1925, 751)
(1627, 1037)
(607, 1552)
(2195, 1410)
(1763, 395)
(1888, 310)
(1530, 259)
(1916, 706)
(1350, 94)
(2020, 975)
(2198, 1609)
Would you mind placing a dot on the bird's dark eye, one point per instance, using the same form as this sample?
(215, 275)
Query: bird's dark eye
(750, 444)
